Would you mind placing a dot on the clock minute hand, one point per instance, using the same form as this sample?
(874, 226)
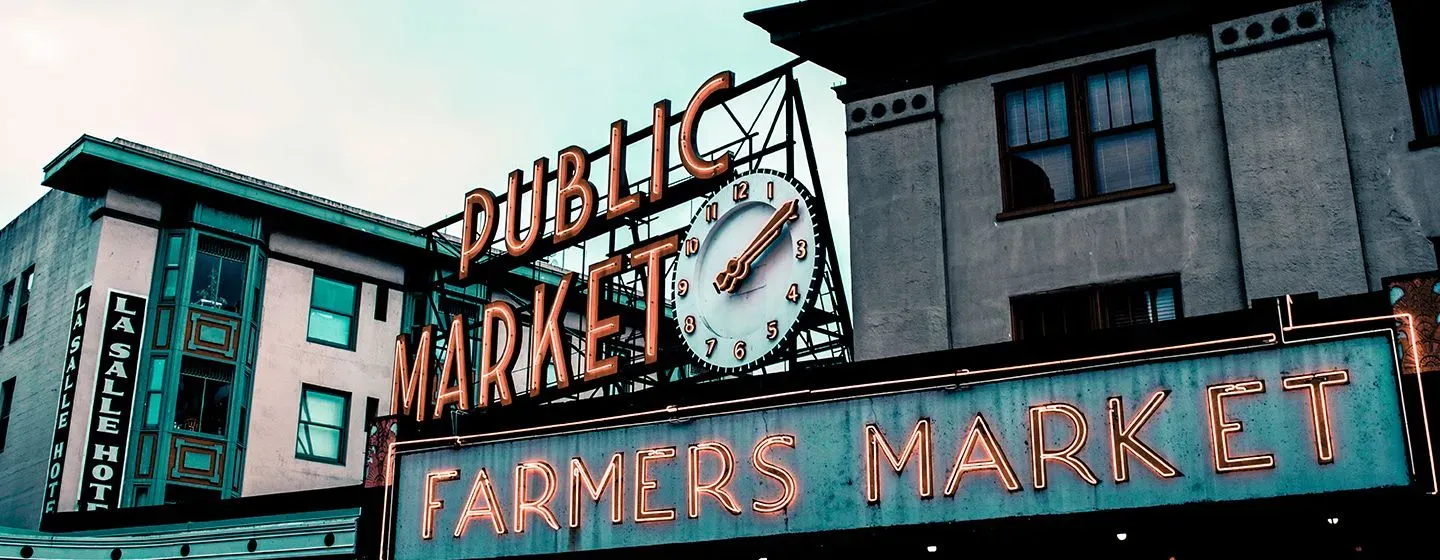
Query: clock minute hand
(738, 268)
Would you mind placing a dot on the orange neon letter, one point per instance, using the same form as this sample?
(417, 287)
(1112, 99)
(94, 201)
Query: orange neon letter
(1314, 385)
(660, 150)
(573, 178)
(1124, 440)
(979, 437)
(652, 257)
(454, 361)
(497, 314)
(546, 337)
(432, 505)
(1040, 455)
(472, 241)
(524, 506)
(410, 386)
(715, 488)
(918, 444)
(689, 152)
(1221, 427)
(481, 488)
(788, 486)
(513, 244)
(600, 327)
(614, 477)
(618, 203)
(644, 485)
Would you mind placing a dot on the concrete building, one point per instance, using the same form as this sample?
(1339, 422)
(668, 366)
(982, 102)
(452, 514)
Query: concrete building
(271, 318)
(1020, 172)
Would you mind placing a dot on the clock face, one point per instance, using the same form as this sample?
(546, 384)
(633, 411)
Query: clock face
(748, 269)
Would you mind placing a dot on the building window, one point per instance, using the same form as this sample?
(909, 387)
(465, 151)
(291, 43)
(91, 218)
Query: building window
(332, 312)
(7, 297)
(1414, 21)
(321, 432)
(1092, 308)
(155, 391)
(382, 303)
(170, 278)
(7, 395)
(202, 404)
(1080, 133)
(219, 279)
(22, 304)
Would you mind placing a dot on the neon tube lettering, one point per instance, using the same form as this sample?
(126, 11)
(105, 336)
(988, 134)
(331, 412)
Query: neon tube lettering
(599, 327)
(454, 367)
(689, 152)
(481, 488)
(410, 390)
(644, 485)
(1221, 427)
(547, 338)
(980, 435)
(1039, 455)
(618, 203)
(524, 506)
(613, 477)
(573, 176)
(497, 315)
(513, 243)
(918, 444)
(432, 505)
(651, 257)
(715, 488)
(1314, 385)
(472, 241)
(788, 486)
(1125, 441)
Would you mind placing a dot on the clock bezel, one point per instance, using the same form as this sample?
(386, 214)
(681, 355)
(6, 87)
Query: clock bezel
(815, 214)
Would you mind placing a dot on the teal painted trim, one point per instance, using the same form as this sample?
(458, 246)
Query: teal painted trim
(287, 536)
(111, 152)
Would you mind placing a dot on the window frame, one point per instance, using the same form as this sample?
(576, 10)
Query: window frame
(1081, 139)
(7, 301)
(24, 291)
(7, 400)
(354, 316)
(1093, 293)
(1421, 65)
(344, 427)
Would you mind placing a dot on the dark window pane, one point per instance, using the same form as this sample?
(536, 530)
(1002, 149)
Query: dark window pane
(1053, 314)
(1126, 161)
(1138, 305)
(202, 403)
(1142, 108)
(1036, 123)
(1015, 119)
(1056, 110)
(1430, 110)
(1097, 93)
(1119, 90)
(382, 303)
(1041, 176)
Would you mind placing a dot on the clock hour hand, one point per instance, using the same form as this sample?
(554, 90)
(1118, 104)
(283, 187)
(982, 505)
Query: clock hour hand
(738, 267)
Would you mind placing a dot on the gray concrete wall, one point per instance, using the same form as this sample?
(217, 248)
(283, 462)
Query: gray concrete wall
(1289, 169)
(897, 261)
(57, 236)
(1189, 231)
(1397, 190)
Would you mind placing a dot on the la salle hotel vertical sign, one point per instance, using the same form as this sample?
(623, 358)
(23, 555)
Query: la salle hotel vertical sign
(65, 408)
(122, 334)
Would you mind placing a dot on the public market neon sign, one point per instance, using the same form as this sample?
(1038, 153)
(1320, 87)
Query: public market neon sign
(577, 215)
(538, 497)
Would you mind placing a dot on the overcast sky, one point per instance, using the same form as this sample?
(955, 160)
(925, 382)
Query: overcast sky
(395, 107)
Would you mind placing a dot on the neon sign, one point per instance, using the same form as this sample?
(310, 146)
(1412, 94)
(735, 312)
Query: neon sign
(1203, 429)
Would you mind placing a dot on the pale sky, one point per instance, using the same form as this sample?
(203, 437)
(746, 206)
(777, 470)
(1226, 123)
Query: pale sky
(394, 107)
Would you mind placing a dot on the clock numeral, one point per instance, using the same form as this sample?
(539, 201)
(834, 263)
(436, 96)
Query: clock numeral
(772, 330)
(712, 211)
(692, 246)
(742, 191)
(689, 324)
(794, 294)
(770, 190)
(801, 249)
(739, 349)
(682, 287)
(709, 347)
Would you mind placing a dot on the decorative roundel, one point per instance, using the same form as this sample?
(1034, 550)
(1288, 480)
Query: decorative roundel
(749, 267)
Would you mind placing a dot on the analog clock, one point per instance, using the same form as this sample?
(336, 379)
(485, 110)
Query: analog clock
(748, 269)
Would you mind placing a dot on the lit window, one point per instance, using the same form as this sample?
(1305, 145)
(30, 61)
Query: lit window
(1080, 133)
(1079, 310)
(332, 313)
(321, 432)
